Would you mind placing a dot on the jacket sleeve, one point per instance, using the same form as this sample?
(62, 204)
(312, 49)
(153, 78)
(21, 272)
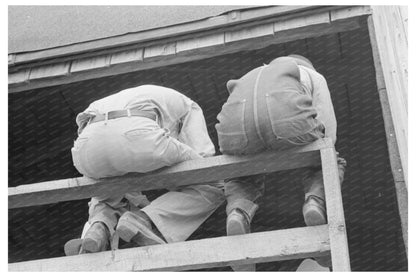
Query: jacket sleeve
(194, 131)
(321, 100)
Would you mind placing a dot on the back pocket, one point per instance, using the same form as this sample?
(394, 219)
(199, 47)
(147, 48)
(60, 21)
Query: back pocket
(291, 113)
(232, 137)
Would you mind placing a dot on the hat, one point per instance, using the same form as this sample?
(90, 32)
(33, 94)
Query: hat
(301, 60)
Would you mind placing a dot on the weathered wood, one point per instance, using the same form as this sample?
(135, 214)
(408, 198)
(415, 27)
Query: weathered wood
(19, 77)
(308, 20)
(185, 173)
(392, 144)
(335, 211)
(200, 42)
(164, 55)
(389, 38)
(49, 71)
(248, 33)
(90, 63)
(216, 22)
(258, 247)
(160, 50)
(134, 55)
(350, 12)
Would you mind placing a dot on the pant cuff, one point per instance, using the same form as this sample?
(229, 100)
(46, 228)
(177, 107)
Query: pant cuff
(245, 205)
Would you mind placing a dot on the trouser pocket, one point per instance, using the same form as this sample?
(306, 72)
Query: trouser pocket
(293, 118)
(232, 137)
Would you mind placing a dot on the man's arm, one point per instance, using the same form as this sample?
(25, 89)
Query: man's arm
(194, 131)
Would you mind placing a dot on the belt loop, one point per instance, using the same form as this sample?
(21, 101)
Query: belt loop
(106, 118)
(128, 113)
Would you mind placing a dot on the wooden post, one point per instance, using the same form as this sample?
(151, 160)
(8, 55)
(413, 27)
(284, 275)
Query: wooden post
(335, 212)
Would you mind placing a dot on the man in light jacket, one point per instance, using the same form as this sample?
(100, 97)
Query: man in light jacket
(139, 130)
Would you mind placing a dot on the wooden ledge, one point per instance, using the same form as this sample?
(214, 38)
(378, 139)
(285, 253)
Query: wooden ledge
(189, 172)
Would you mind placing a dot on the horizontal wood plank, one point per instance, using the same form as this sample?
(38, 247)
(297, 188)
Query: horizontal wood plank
(19, 77)
(185, 173)
(350, 12)
(49, 71)
(134, 55)
(258, 247)
(293, 23)
(90, 63)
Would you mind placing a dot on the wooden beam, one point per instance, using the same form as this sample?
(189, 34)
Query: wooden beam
(185, 173)
(258, 247)
(335, 211)
(349, 12)
(392, 142)
(389, 40)
(203, 47)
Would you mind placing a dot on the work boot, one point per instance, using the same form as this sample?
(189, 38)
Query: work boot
(239, 224)
(96, 240)
(314, 213)
(138, 229)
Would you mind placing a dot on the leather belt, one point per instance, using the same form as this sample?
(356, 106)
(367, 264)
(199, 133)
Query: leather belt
(123, 113)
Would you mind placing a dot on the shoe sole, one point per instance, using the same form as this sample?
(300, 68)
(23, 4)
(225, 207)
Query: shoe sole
(73, 247)
(130, 232)
(314, 216)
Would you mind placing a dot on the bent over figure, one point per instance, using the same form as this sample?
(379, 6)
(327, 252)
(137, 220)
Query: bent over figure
(276, 106)
(139, 130)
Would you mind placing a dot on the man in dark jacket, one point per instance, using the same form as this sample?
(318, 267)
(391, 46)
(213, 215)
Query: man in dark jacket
(276, 106)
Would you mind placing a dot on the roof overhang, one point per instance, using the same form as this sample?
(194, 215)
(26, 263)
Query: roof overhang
(227, 33)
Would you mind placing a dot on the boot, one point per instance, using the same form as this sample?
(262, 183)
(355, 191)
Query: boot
(314, 211)
(239, 224)
(138, 228)
(96, 240)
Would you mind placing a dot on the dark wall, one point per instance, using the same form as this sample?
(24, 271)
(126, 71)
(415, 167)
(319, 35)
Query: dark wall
(42, 128)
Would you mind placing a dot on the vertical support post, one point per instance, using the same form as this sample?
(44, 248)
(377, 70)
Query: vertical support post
(335, 212)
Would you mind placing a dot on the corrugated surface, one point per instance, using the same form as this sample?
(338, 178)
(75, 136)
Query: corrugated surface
(42, 128)
(39, 27)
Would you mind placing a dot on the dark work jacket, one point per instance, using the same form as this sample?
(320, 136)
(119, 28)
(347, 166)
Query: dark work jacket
(267, 109)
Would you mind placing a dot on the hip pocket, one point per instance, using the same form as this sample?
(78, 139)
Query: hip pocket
(232, 137)
(137, 134)
(292, 116)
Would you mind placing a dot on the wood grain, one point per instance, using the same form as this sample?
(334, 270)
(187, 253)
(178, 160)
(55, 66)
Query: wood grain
(189, 172)
(335, 211)
(258, 247)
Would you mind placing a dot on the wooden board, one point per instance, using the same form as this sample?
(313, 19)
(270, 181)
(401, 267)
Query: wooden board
(392, 142)
(185, 173)
(335, 211)
(390, 40)
(258, 247)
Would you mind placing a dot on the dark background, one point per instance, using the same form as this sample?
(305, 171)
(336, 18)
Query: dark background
(42, 129)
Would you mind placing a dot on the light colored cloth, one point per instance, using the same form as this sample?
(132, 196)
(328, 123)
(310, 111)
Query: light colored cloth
(137, 144)
(279, 105)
